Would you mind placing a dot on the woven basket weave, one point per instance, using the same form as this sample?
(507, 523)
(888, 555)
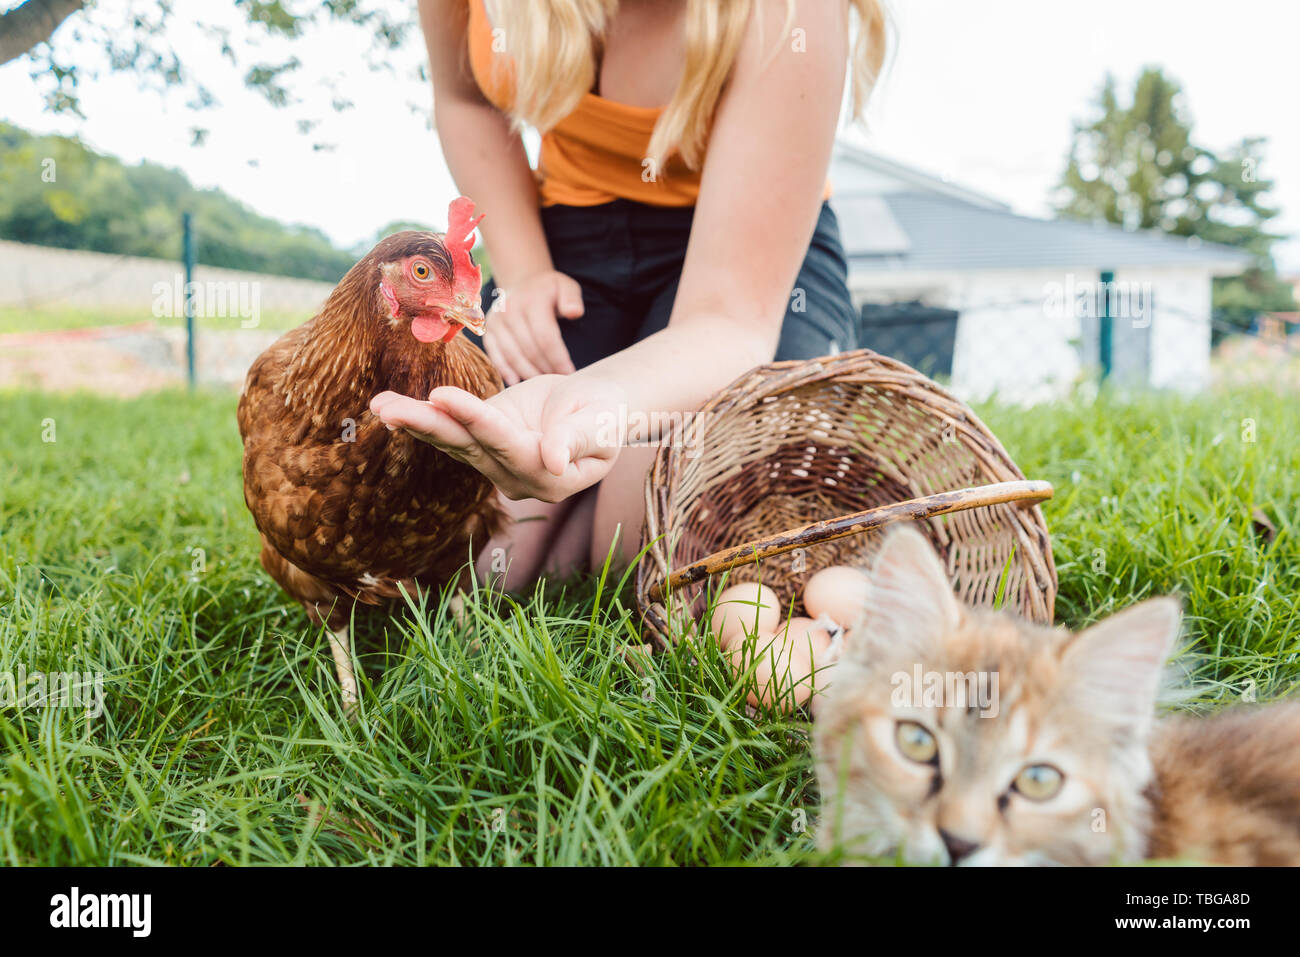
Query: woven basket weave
(799, 465)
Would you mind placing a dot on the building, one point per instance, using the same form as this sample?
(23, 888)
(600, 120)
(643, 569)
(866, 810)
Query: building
(1017, 307)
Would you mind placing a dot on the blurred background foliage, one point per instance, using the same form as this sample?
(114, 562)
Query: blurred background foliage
(136, 210)
(1135, 163)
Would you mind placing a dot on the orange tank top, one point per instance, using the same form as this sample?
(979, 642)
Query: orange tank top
(594, 155)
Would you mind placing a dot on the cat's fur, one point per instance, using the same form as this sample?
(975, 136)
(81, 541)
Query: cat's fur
(1223, 789)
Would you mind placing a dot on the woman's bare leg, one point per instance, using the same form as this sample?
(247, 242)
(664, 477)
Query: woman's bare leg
(620, 507)
(542, 538)
(571, 542)
(539, 538)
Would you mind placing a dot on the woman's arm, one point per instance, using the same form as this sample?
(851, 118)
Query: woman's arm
(486, 159)
(760, 195)
(488, 162)
(759, 199)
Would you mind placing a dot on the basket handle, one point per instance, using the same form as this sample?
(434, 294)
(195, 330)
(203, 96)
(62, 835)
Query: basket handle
(1024, 493)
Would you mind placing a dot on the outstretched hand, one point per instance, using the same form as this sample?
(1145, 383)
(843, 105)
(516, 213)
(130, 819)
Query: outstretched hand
(545, 438)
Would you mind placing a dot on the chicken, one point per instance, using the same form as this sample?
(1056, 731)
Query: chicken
(348, 511)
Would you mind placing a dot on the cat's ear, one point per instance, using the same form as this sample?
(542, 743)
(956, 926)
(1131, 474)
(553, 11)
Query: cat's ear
(910, 605)
(1117, 662)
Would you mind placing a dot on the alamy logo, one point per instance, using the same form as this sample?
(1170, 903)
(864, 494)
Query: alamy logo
(102, 910)
(53, 689)
(977, 690)
(1090, 299)
(212, 300)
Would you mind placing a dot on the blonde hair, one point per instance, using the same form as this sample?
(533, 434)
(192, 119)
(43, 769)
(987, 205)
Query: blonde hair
(550, 42)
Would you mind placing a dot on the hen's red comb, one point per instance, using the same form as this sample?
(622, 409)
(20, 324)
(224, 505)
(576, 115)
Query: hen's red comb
(459, 241)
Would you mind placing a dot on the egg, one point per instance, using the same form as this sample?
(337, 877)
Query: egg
(739, 607)
(783, 663)
(839, 592)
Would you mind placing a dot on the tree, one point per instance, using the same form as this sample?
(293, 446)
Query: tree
(132, 210)
(31, 23)
(131, 36)
(396, 226)
(1137, 166)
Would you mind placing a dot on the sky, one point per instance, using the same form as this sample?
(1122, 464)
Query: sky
(982, 93)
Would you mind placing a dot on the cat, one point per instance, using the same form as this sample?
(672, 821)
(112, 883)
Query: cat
(949, 735)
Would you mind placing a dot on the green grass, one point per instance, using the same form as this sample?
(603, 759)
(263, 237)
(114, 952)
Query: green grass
(525, 736)
(59, 318)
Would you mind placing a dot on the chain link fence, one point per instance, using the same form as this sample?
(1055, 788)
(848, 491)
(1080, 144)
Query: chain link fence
(79, 319)
(71, 318)
(1031, 338)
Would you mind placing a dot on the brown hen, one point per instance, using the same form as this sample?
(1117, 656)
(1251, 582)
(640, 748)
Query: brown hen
(349, 511)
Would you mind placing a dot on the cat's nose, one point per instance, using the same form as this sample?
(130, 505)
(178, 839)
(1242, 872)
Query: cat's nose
(958, 847)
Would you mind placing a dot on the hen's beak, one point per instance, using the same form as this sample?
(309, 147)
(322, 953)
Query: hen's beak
(469, 314)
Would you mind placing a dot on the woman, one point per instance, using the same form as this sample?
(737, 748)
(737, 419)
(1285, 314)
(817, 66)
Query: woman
(674, 235)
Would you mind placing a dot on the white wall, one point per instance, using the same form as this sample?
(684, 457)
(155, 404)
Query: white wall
(1009, 342)
(1180, 326)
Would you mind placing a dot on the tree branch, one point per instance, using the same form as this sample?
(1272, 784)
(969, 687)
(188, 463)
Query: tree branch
(31, 23)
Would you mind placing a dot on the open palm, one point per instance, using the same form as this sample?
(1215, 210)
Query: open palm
(545, 438)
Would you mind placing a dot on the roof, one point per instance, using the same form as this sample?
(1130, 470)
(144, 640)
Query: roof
(857, 170)
(928, 233)
(893, 218)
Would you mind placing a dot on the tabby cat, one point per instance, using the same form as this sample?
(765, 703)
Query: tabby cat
(955, 736)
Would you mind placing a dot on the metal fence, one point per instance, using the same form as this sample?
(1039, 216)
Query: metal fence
(1037, 336)
(75, 318)
(86, 319)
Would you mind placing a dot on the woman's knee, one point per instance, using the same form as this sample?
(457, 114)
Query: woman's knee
(516, 555)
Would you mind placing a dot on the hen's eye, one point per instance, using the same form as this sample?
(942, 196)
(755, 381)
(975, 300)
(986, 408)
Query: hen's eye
(916, 743)
(1038, 782)
(421, 270)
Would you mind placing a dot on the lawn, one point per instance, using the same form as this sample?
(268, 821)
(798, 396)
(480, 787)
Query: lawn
(61, 318)
(523, 736)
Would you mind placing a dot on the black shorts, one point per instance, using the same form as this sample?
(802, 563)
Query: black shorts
(627, 257)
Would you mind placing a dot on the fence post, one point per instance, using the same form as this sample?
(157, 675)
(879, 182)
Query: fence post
(187, 227)
(1106, 325)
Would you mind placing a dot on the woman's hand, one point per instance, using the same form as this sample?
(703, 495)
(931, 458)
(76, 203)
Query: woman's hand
(545, 438)
(523, 335)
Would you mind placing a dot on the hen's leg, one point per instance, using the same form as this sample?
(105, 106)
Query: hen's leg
(341, 648)
(324, 606)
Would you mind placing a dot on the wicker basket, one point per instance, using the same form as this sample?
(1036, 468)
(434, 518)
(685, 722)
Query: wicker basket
(797, 465)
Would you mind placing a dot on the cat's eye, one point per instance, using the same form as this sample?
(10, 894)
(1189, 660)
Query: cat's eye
(916, 743)
(1038, 782)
